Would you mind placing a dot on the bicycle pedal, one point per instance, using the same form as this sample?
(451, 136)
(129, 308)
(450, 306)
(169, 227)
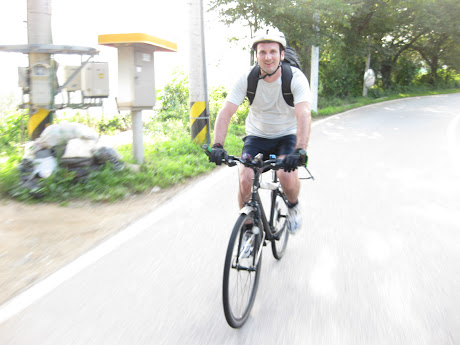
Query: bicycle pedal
(265, 243)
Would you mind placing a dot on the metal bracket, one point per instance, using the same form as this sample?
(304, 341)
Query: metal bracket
(72, 76)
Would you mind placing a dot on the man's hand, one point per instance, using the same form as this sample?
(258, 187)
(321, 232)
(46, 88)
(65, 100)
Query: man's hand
(292, 160)
(217, 153)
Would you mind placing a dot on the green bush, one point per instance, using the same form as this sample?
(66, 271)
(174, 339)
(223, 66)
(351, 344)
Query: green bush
(102, 124)
(174, 99)
(10, 127)
(340, 77)
(405, 71)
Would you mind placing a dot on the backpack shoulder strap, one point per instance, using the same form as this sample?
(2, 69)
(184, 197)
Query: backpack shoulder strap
(253, 79)
(286, 77)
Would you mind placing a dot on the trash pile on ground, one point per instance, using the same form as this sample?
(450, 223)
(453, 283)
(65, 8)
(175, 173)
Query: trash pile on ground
(70, 145)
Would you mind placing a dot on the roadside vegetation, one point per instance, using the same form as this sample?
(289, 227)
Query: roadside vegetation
(170, 156)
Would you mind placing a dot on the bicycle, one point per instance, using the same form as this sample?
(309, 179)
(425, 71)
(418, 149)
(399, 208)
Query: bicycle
(250, 233)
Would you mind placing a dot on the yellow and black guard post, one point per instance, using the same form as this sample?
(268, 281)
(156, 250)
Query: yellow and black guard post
(198, 90)
(199, 123)
(38, 121)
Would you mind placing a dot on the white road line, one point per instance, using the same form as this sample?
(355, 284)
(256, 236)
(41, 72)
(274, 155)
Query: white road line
(43, 287)
(453, 140)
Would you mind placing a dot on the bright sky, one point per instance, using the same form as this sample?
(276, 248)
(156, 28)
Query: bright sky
(80, 22)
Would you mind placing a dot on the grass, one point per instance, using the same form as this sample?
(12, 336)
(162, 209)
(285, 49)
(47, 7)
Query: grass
(168, 161)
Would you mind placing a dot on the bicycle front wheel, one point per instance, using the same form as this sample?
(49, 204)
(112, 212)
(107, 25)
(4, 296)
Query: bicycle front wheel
(278, 218)
(241, 272)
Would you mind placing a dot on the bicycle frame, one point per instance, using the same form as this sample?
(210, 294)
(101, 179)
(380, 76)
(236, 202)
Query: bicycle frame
(255, 203)
(259, 166)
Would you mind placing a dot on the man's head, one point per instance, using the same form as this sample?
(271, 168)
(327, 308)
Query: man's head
(269, 56)
(269, 45)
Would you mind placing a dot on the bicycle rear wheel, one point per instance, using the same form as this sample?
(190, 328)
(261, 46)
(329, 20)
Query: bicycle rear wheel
(241, 273)
(278, 218)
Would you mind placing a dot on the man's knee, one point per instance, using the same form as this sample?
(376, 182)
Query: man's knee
(290, 183)
(288, 178)
(246, 177)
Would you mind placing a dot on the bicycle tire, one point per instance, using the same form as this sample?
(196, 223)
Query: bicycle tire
(278, 218)
(237, 302)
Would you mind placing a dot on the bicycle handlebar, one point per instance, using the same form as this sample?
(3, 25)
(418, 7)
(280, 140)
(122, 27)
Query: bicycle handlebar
(257, 162)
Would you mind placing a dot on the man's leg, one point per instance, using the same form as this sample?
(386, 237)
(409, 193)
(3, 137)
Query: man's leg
(290, 183)
(291, 187)
(244, 193)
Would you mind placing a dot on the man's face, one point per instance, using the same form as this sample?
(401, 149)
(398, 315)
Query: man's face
(268, 56)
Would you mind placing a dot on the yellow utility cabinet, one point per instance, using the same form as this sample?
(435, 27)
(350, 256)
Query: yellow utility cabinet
(136, 72)
(136, 77)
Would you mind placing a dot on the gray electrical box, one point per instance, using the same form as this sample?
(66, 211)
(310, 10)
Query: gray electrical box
(95, 80)
(24, 79)
(136, 78)
(75, 83)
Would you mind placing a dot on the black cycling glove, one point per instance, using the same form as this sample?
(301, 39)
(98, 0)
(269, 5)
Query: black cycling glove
(217, 154)
(292, 160)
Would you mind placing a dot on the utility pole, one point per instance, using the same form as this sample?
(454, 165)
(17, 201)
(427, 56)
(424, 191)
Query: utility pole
(314, 78)
(368, 65)
(198, 88)
(42, 68)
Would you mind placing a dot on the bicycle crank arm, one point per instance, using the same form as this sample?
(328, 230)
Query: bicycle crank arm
(259, 252)
(244, 268)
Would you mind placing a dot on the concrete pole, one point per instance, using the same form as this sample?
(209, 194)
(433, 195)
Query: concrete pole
(42, 69)
(138, 136)
(314, 78)
(198, 88)
(368, 65)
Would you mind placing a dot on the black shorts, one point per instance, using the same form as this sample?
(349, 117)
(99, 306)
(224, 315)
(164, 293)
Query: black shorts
(279, 146)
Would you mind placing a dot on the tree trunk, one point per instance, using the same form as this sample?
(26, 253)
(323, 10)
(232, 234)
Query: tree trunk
(433, 70)
(386, 75)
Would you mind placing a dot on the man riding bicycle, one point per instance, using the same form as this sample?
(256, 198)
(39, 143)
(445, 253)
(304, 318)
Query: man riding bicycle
(272, 126)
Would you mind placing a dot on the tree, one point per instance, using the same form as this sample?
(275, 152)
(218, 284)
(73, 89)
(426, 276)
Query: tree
(293, 18)
(440, 44)
(390, 29)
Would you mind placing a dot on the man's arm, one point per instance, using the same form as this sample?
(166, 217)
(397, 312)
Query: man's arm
(303, 114)
(222, 122)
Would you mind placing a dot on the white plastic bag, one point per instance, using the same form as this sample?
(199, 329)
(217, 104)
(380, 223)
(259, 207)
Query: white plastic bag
(44, 167)
(60, 134)
(79, 148)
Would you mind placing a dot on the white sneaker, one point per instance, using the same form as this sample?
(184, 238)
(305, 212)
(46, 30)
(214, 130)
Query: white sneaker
(246, 244)
(294, 219)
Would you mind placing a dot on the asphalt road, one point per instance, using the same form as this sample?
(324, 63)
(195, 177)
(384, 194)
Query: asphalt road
(377, 261)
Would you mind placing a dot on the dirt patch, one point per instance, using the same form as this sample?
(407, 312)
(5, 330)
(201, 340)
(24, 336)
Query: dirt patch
(36, 240)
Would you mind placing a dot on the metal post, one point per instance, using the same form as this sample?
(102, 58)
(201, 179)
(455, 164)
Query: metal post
(198, 90)
(314, 78)
(42, 68)
(138, 136)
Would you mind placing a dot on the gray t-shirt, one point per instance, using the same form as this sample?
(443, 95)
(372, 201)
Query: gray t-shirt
(269, 115)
